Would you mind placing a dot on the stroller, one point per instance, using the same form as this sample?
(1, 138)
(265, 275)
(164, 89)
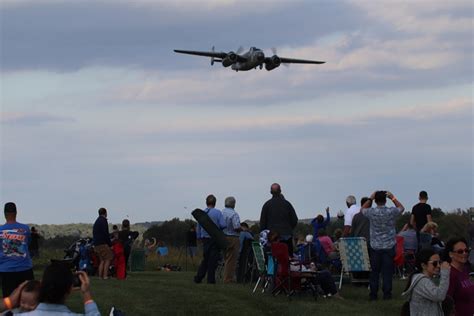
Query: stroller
(81, 253)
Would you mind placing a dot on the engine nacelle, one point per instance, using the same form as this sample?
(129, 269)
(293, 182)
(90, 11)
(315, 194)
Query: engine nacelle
(230, 59)
(273, 63)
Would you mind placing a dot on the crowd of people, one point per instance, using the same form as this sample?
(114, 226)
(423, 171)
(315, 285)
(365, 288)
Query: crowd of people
(373, 219)
(376, 222)
(23, 294)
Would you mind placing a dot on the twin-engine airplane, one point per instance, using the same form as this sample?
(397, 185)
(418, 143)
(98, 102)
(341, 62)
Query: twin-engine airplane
(250, 60)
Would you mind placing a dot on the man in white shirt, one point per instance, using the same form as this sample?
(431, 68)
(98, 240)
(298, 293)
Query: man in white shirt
(352, 210)
(232, 232)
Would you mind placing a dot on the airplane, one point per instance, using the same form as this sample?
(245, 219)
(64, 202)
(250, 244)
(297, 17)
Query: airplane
(250, 60)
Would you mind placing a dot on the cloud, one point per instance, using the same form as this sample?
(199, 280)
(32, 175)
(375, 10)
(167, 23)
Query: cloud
(30, 118)
(65, 36)
(433, 17)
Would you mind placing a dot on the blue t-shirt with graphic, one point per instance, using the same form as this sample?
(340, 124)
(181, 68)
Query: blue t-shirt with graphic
(14, 255)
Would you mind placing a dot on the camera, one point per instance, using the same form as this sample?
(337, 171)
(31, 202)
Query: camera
(76, 281)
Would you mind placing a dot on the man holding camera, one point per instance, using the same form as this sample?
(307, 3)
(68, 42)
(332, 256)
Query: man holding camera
(382, 240)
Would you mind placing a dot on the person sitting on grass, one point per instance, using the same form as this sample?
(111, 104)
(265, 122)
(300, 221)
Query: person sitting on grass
(56, 286)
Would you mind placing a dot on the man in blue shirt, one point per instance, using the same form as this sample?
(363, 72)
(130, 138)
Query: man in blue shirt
(15, 260)
(210, 250)
(319, 223)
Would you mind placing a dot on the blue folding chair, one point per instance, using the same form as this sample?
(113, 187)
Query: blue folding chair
(354, 255)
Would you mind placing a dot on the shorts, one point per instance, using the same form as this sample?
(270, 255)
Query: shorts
(10, 280)
(104, 252)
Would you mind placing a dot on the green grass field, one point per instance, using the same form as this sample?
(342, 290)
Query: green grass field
(154, 292)
(173, 293)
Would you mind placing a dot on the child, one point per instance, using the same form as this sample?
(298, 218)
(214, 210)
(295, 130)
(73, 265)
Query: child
(29, 296)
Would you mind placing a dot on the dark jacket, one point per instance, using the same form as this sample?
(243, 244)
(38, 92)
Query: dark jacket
(100, 232)
(278, 215)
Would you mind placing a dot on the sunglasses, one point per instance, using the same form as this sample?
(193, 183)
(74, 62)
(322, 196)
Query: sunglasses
(435, 263)
(461, 251)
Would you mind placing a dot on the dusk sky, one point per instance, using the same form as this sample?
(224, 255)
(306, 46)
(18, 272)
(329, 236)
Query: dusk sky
(98, 111)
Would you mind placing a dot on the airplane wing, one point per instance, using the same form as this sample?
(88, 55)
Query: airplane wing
(299, 61)
(220, 55)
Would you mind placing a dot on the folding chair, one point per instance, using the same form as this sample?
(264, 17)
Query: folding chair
(425, 241)
(259, 259)
(286, 280)
(399, 259)
(354, 256)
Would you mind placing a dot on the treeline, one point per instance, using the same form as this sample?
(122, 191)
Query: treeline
(173, 232)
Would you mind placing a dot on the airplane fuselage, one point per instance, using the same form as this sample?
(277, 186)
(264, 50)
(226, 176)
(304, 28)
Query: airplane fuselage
(255, 57)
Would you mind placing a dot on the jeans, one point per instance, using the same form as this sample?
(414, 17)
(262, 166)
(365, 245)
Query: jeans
(381, 261)
(209, 261)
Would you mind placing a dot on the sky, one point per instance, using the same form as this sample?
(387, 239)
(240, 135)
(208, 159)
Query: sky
(98, 111)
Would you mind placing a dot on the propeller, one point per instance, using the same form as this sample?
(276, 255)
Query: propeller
(274, 51)
(212, 58)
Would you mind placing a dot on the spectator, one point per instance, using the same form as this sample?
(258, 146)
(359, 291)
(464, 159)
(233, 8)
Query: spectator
(127, 239)
(191, 242)
(382, 240)
(102, 243)
(149, 246)
(56, 286)
(420, 214)
(425, 296)
(245, 233)
(29, 297)
(278, 215)
(360, 226)
(328, 245)
(34, 243)
(352, 210)
(410, 242)
(431, 228)
(319, 223)
(210, 249)
(471, 241)
(232, 232)
(15, 260)
(461, 287)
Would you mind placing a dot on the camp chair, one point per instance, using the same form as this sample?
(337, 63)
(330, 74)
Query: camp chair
(246, 267)
(425, 240)
(286, 280)
(399, 259)
(259, 259)
(410, 261)
(354, 257)
(162, 251)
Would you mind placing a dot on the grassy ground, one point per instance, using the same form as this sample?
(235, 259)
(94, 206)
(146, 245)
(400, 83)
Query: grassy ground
(173, 293)
(155, 292)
